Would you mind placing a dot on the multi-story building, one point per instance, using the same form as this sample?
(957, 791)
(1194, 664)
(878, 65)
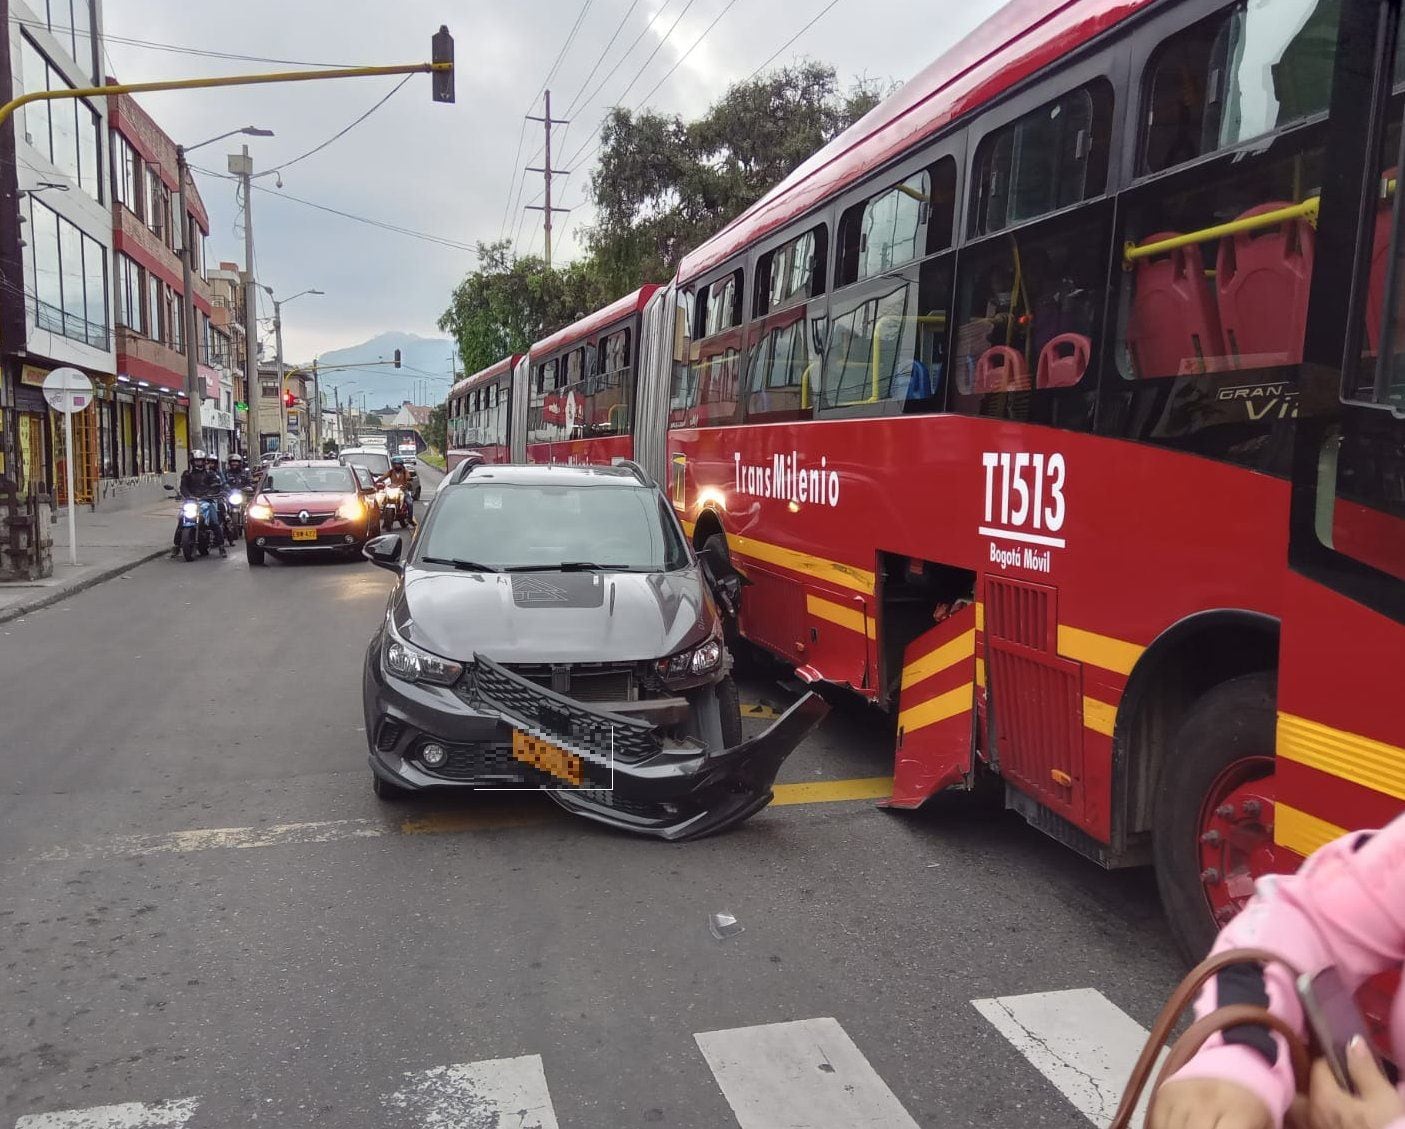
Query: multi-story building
(56, 247)
(143, 418)
(227, 344)
(284, 411)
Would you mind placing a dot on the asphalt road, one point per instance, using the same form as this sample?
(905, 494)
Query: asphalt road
(201, 899)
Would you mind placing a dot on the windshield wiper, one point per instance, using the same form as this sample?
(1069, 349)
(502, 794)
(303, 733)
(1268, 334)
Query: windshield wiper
(575, 566)
(460, 564)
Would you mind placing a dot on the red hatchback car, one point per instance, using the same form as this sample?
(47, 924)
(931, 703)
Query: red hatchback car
(302, 507)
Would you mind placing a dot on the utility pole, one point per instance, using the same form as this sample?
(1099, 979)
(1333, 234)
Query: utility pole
(315, 429)
(193, 431)
(242, 166)
(282, 392)
(547, 172)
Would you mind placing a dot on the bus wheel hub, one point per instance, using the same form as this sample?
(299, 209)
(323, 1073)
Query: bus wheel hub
(1236, 835)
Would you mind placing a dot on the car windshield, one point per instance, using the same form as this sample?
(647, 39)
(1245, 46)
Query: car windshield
(307, 480)
(373, 461)
(363, 476)
(531, 526)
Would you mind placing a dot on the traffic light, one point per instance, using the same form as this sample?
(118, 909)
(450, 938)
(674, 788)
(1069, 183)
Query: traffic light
(442, 51)
(397, 358)
(289, 399)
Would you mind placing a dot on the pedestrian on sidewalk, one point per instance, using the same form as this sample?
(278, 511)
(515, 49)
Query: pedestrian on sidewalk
(1344, 909)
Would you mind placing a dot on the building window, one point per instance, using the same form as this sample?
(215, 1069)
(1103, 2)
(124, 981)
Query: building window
(131, 286)
(158, 217)
(128, 176)
(65, 131)
(68, 280)
(155, 308)
(71, 23)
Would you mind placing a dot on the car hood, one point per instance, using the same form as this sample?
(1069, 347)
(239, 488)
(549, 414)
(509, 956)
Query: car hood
(531, 617)
(321, 501)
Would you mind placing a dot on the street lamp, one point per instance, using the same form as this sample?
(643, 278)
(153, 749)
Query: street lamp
(192, 390)
(278, 344)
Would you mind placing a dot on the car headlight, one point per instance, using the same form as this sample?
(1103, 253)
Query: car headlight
(351, 510)
(236, 497)
(693, 663)
(190, 509)
(261, 511)
(406, 661)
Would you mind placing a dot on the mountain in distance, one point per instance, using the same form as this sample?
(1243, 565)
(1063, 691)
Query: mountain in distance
(426, 363)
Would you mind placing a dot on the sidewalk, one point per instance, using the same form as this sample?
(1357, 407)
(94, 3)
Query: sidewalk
(108, 545)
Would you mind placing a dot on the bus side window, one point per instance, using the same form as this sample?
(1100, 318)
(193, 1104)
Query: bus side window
(782, 352)
(718, 354)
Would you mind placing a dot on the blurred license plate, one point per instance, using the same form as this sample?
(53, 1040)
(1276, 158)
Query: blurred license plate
(547, 757)
(304, 535)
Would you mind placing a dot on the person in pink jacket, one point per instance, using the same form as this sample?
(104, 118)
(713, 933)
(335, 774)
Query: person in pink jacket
(1344, 908)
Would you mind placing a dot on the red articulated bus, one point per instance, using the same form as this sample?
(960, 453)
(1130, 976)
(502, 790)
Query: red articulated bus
(479, 414)
(580, 386)
(1058, 407)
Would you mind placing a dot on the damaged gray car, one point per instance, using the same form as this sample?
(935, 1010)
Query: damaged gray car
(551, 627)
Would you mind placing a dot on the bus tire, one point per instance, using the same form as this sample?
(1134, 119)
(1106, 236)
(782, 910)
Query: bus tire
(1219, 777)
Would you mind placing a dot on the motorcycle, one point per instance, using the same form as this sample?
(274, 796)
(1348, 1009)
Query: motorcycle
(197, 526)
(234, 503)
(395, 508)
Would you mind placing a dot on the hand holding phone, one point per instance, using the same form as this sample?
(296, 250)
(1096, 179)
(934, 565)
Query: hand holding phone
(1334, 1020)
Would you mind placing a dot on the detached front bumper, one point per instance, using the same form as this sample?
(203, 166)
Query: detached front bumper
(502, 730)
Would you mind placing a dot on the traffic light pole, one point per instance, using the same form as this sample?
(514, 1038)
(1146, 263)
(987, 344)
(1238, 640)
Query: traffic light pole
(243, 167)
(282, 391)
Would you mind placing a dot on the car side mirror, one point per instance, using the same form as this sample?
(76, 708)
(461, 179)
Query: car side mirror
(384, 551)
(168, 486)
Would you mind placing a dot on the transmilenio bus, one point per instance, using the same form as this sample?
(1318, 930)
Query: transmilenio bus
(1054, 407)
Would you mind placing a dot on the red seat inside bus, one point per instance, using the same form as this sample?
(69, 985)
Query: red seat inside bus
(1262, 279)
(1001, 369)
(1175, 323)
(1063, 361)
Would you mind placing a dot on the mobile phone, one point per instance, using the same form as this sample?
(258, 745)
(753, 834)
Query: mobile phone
(1333, 1018)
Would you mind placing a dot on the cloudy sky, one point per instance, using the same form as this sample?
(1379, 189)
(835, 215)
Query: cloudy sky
(448, 171)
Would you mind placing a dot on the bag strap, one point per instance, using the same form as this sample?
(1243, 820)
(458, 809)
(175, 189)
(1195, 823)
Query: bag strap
(1234, 1016)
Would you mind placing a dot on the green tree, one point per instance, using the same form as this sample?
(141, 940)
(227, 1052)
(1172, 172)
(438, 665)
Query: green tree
(508, 303)
(436, 431)
(663, 185)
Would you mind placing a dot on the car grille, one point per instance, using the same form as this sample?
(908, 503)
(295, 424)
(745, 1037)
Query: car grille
(312, 519)
(584, 681)
(561, 719)
(640, 809)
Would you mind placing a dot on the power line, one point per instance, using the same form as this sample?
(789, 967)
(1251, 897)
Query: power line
(570, 38)
(571, 108)
(681, 58)
(175, 48)
(511, 192)
(822, 13)
(342, 132)
(628, 51)
(382, 224)
(573, 161)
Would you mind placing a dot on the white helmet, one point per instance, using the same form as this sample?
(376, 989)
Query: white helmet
(198, 456)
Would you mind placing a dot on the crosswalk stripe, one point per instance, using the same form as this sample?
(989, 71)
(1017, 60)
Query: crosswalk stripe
(129, 1115)
(1079, 1040)
(499, 1093)
(807, 1072)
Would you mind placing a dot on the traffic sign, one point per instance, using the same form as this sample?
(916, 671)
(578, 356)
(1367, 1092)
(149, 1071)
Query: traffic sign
(67, 390)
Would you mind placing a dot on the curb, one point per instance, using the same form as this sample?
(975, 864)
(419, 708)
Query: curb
(15, 611)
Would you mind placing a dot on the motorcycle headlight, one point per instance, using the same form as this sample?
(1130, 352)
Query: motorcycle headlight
(261, 511)
(190, 509)
(351, 509)
(236, 497)
(693, 663)
(393, 493)
(406, 661)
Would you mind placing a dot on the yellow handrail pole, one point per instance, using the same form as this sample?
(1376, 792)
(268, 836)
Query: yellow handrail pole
(1306, 210)
(206, 83)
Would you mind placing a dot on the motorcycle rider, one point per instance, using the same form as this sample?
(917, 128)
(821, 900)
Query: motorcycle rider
(237, 474)
(400, 476)
(199, 485)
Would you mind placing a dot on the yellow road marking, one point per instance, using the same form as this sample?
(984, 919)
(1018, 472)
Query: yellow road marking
(937, 709)
(833, 791)
(1301, 832)
(759, 709)
(1099, 716)
(933, 662)
(1372, 764)
(447, 822)
(852, 618)
(1100, 650)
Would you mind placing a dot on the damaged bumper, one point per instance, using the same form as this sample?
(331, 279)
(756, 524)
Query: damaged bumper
(627, 770)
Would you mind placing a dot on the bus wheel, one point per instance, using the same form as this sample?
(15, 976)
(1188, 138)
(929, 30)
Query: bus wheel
(1213, 826)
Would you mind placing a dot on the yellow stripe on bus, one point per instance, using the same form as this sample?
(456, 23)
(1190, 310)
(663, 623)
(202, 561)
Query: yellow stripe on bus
(980, 673)
(935, 661)
(1301, 832)
(1372, 764)
(980, 616)
(937, 709)
(1099, 716)
(842, 575)
(852, 618)
(1099, 650)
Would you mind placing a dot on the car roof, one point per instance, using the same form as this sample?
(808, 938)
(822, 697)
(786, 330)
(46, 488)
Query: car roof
(557, 474)
(309, 462)
(363, 451)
